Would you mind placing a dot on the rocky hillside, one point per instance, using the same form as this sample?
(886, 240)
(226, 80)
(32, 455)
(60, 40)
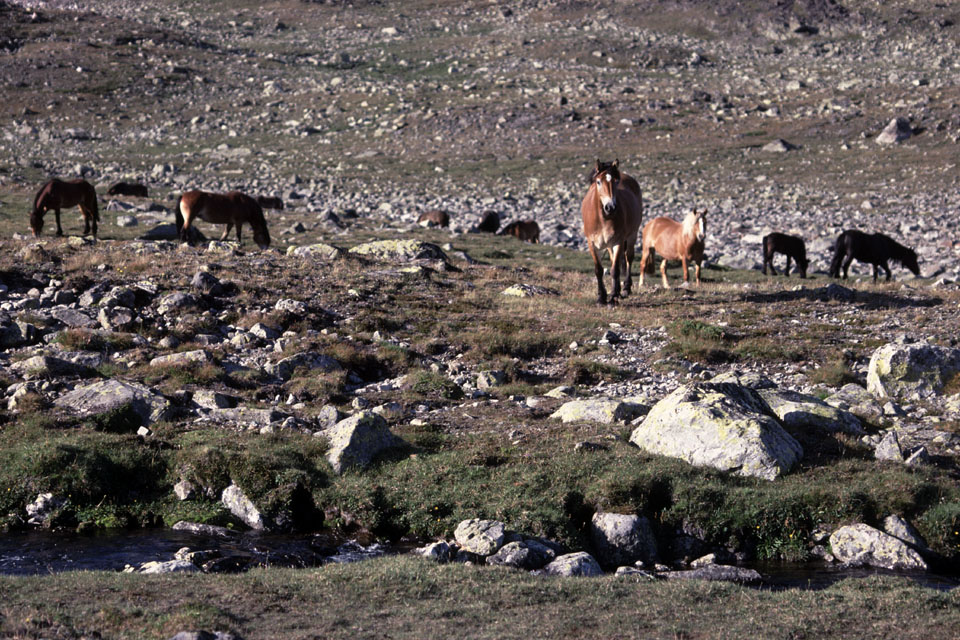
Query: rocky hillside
(149, 382)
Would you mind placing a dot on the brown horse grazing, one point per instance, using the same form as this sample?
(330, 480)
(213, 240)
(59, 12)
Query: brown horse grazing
(128, 189)
(434, 218)
(612, 212)
(270, 202)
(232, 208)
(526, 230)
(57, 194)
(674, 241)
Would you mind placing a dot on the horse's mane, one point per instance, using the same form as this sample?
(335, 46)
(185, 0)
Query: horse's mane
(604, 166)
(690, 222)
(36, 198)
(899, 253)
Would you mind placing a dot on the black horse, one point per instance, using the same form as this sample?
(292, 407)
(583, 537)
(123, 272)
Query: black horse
(872, 248)
(128, 189)
(270, 202)
(791, 246)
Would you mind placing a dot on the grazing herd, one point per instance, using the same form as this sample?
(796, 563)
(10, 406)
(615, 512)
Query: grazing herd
(612, 212)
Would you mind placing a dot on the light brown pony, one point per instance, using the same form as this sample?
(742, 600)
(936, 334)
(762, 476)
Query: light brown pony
(233, 208)
(674, 241)
(612, 211)
(57, 194)
(526, 230)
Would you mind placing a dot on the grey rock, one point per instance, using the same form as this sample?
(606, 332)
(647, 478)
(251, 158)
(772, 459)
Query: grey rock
(356, 441)
(242, 507)
(897, 130)
(264, 332)
(579, 564)
(182, 359)
(889, 448)
(108, 395)
(116, 318)
(308, 361)
(861, 544)
(208, 399)
(724, 426)
(170, 566)
(482, 537)
(620, 539)
(800, 411)
(177, 301)
(602, 410)
(440, 552)
(903, 530)
(858, 401)
(50, 367)
(73, 318)
(246, 416)
(206, 282)
(527, 554)
(184, 490)
(917, 370)
(40, 510)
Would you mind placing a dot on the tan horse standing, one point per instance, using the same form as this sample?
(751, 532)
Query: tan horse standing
(674, 241)
(612, 211)
(59, 194)
(233, 208)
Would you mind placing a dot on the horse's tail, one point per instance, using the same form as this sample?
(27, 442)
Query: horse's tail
(178, 215)
(838, 253)
(94, 206)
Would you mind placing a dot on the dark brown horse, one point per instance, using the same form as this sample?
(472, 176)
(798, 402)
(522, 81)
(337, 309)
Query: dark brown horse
(489, 223)
(434, 218)
(526, 230)
(612, 212)
(790, 246)
(270, 202)
(59, 194)
(872, 248)
(128, 189)
(233, 208)
(683, 241)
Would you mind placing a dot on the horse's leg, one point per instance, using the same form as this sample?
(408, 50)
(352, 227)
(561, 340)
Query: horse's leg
(686, 270)
(663, 272)
(886, 267)
(598, 271)
(645, 257)
(239, 241)
(786, 271)
(59, 228)
(226, 231)
(628, 263)
(696, 270)
(846, 265)
(615, 258)
(185, 228)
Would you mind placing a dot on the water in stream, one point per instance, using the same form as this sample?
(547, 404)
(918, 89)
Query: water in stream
(40, 552)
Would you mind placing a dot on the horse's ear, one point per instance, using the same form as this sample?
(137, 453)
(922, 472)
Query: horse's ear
(616, 163)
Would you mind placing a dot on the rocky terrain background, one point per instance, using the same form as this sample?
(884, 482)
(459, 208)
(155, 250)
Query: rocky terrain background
(150, 382)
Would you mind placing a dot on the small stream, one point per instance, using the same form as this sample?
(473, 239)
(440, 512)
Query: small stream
(42, 552)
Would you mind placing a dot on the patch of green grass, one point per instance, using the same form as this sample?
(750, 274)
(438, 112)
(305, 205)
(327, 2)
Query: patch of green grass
(429, 385)
(502, 604)
(699, 341)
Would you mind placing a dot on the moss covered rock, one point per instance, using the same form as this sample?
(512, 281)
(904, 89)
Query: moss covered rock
(356, 441)
(114, 395)
(801, 411)
(318, 251)
(602, 410)
(725, 426)
(402, 250)
(861, 544)
(911, 370)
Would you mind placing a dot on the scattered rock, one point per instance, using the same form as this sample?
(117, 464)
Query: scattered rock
(724, 426)
(579, 564)
(356, 441)
(861, 544)
(620, 539)
(482, 537)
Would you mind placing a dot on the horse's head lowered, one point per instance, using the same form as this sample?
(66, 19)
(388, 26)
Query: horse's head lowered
(36, 216)
(606, 177)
